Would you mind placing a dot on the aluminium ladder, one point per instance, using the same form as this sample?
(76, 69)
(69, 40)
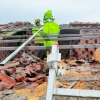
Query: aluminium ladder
(52, 61)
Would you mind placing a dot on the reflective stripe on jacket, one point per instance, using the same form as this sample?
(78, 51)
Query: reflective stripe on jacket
(34, 30)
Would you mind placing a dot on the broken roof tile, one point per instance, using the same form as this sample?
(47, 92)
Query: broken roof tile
(10, 71)
(84, 23)
(6, 79)
(32, 86)
(20, 78)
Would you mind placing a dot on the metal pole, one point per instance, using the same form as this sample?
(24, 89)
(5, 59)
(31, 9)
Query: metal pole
(49, 39)
(19, 48)
(77, 93)
(60, 35)
(30, 27)
(60, 47)
(51, 83)
(52, 60)
(72, 85)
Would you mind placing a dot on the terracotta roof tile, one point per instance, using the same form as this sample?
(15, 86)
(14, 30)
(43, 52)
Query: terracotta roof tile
(84, 23)
(6, 79)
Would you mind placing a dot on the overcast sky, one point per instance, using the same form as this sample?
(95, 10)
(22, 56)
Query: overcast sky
(64, 11)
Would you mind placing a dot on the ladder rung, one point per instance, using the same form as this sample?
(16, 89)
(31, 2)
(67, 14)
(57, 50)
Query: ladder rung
(76, 93)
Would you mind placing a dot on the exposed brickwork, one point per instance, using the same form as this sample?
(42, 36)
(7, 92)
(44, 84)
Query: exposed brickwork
(82, 53)
(87, 53)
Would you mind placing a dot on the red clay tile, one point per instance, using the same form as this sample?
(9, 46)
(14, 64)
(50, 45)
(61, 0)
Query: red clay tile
(18, 84)
(10, 71)
(40, 76)
(83, 23)
(3, 85)
(35, 79)
(20, 78)
(32, 79)
(38, 67)
(9, 65)
(45, 79)
(22, 86)
(33, 86)
(39, 81)
(6, 79)
(29, 70)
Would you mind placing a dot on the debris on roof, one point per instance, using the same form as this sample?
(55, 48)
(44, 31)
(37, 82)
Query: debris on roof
(28, 75)
(20, 72)
(25, 73)
(16, 24)
(84, 23)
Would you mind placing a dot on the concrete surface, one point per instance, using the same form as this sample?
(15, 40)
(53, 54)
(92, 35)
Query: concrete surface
(11, 95)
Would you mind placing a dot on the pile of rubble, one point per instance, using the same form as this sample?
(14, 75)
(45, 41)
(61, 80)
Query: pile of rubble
(13, 28)
(27, 72)
(14, 25)
(22, 73)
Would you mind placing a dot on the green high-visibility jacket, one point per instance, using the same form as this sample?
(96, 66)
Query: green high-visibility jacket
(51, 28)
(34, 30)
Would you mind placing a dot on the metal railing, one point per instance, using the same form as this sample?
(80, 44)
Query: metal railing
(50, 38)
(60, 35)
(23, 46)
(60, 47)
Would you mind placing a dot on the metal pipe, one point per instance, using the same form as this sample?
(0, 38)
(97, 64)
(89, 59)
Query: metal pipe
(60, 46)
(29, 28)
(60, 35)
(49, 39)
(19, 48)
(72, 85)
(76, 93)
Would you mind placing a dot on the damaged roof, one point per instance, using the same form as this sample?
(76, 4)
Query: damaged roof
(24, 73)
